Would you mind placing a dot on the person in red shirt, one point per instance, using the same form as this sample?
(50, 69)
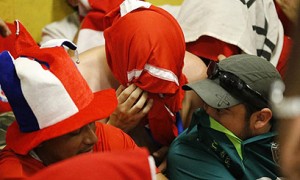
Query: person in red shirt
(55, 110)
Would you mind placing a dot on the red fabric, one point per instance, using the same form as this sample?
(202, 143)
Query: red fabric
(4, 107)
(210, 48)
(8, 43)
(20, 166)
(284, 56)
(111, 138)
(13, 166)
(99, 8)
(149, 37)
(108, 165)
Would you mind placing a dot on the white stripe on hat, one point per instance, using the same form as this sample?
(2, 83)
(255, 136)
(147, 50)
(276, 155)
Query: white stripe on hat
(44, 93)
(160, 73)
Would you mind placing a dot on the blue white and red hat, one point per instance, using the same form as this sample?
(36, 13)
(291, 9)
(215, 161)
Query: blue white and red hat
(47, 93)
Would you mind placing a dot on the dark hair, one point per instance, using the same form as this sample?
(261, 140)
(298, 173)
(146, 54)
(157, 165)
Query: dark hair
(250, 109)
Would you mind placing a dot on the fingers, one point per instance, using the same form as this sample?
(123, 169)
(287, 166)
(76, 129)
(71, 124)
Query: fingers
(147, 108)
(124, 93)
(4, 30)
(135, 96)
(119, 90)
(221, 57)
(160, 158)
(163, 166)
(133, 101)
(133, 106)
(140, 102)
(161, 153)
(140, 113)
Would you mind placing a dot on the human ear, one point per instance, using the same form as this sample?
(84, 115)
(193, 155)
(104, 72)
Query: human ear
(262, 118)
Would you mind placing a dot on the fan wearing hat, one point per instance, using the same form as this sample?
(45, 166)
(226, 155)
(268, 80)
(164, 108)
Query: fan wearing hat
(55, 110)
(231, 135)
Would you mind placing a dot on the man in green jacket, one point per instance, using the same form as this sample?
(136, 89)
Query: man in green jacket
(232, 135)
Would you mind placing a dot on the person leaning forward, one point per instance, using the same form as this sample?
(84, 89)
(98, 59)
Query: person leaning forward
(232, 136)
(55, 110)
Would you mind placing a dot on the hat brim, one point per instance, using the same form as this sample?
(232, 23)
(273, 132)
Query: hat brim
(103, 104)
(212, 93)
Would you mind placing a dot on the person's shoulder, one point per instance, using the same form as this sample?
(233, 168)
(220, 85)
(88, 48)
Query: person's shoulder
(17, 166)
(114, 137)
(108, 128)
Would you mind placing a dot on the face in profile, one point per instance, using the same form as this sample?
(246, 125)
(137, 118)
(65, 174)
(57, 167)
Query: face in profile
(233, 118)
(76, 142)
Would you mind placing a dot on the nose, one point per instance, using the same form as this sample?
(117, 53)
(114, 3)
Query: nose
(90, 137)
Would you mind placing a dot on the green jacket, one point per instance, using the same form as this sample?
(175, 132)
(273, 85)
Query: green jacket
(207, 150)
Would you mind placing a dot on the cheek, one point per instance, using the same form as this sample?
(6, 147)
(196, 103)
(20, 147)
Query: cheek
(232, 123)
(69, 148)
(212, 113)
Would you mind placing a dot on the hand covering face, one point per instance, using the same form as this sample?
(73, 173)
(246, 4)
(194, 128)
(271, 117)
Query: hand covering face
(146, 47)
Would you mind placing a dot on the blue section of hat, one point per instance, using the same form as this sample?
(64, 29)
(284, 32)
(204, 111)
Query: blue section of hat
(11, 86)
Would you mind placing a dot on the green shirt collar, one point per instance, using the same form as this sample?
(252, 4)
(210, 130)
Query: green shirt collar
(237, 142)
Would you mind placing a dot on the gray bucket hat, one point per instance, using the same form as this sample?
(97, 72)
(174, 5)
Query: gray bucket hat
(256, 72)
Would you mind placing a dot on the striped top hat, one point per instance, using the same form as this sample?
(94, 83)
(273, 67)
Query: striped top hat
(47, 93)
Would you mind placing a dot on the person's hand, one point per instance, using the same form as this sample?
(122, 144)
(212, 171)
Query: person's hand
(160, 157)
(133, 105)
(4, 30)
